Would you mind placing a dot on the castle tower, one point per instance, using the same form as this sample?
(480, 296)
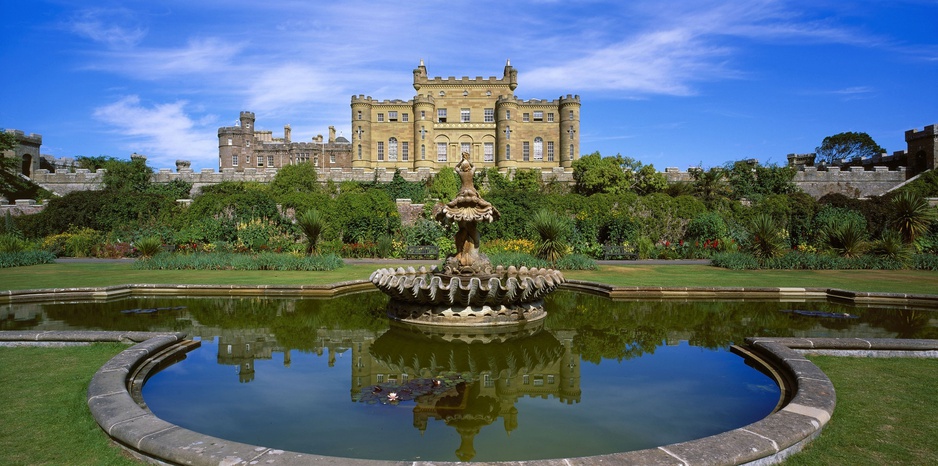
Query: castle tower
(507, 151)
(27, 149)
(511, 75)
(361, 132)
(922, 149)
(424, 109)
(234, 143)
(569, 130)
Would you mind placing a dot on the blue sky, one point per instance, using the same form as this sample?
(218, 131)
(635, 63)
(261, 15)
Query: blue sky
(674, 84)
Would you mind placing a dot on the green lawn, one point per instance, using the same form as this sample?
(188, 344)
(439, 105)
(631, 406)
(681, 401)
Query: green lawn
(885, 413)
(66, 275)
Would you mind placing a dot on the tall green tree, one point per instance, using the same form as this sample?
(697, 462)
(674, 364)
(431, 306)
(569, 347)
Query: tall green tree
(291, 179)
(710, 185)
(594, 174)
(847, 146)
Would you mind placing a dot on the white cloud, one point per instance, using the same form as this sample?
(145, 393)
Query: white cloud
(200, 56)
(114, 27)
(162, 132)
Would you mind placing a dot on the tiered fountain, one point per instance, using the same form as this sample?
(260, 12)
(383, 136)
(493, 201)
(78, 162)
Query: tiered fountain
(467, 291)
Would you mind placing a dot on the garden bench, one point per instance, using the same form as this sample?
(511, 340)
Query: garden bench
(424, 251)
(618, 252)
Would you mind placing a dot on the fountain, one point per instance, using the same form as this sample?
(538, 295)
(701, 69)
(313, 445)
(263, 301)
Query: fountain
(467, 291)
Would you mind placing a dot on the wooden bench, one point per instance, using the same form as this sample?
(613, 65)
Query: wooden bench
(424, 251)
(618, 252)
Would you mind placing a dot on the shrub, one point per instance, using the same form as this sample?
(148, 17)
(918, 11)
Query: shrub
(521, 245)
(847, 239)
(149, 246)
(892, 246)
(912, 215)
(924, 261)
(575, 262)
(113, 250)
(766, 238)
(80, 242)
(225, 261)
(734, 261)
(552, 231)
(706, 226)
(423, 232)
(11, 243)
(24, 258)
(311, 223)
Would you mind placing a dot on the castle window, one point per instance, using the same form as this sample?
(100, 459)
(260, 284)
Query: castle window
(247, 159)
(550, 379)
(260, 160)
(423, 114)
(571, 151)
(488, 93)
(538, 149)
(571, 114)
(405, 117)
(550, 117)
(441, 115)
(229, 141)
(488, 154)
(550, 151)
(464, 115)
(441, 152)
(423, 152)
(465, 147)
(247, 143)
(489, 115)
(392, 149)
(392, 116)
(270, 160)
(442, 93)
(332, 157)
(405, 150)
(380, 150)
(525, 117)
(507, 114)
(380, 117)
(359, 114)
(526, 151)
(507, 151)
(234, 160)
(465, 93)
(538, 116)
(359, 152)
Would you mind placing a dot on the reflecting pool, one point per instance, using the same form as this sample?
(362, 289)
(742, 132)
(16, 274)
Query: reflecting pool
(334, 377)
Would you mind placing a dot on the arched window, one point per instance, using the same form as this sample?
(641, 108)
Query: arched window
(392, 149)
(538, 148)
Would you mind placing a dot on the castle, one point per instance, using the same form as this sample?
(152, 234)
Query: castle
(446, 118)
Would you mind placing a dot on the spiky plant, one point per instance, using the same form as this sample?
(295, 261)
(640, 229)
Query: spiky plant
(912, 215)
(552, 233)
(766, 237)
(892, 245)
(149, 246)
(312, 223)
(847, 239)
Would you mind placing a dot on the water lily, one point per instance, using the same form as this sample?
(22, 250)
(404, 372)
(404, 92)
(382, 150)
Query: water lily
(392, 396)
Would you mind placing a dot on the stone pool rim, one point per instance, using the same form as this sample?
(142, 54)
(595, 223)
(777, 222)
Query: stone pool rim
(767, 441)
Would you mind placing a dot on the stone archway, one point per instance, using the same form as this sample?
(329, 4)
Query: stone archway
(27, 164)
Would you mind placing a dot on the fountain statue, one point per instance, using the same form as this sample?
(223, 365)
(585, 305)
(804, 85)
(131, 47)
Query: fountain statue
(467, 291)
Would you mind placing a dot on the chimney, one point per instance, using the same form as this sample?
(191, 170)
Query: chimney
(331, 134)
(286, 134)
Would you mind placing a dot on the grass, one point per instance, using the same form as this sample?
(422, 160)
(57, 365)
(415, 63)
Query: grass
(885, 413)
(91, 274)
(42, 405)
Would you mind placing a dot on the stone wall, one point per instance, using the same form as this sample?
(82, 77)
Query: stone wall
(855, 182)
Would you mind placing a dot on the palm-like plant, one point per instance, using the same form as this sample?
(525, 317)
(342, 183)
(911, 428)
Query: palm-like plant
(847, 239)
(312, 223)
(149, 246)
(912, 215)
(552, 232)
(766, 237)
(892, 245)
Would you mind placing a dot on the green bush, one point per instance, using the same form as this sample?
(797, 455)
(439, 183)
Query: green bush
(766, 238)
(225, 261)
(575, 262)
(706, 226)
(734, 261)
(552, 231)
(924, 261)
(11, 243)
(149, 246)
(24, 258)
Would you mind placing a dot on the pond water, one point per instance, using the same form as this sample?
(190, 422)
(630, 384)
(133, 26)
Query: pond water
(333, 377)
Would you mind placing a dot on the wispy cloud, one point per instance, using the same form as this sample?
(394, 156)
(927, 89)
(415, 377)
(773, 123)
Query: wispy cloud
(164, 132)
(201, 56)
(116, 28)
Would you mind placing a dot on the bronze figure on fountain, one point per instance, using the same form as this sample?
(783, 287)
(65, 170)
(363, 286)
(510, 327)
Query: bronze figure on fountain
(467, 210)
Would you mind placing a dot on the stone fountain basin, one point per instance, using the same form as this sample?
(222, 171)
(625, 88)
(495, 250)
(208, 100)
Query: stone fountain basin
(506, 287)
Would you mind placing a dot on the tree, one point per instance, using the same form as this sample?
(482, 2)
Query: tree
(711, 184)
(594, 173)
(912, 216)
(847, 146)
(299, 178)
(124, 176)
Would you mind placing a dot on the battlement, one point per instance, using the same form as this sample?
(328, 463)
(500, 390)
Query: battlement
(23, 137)
(928, 131)
(465, 80)
(570, 99)
(247, 114)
